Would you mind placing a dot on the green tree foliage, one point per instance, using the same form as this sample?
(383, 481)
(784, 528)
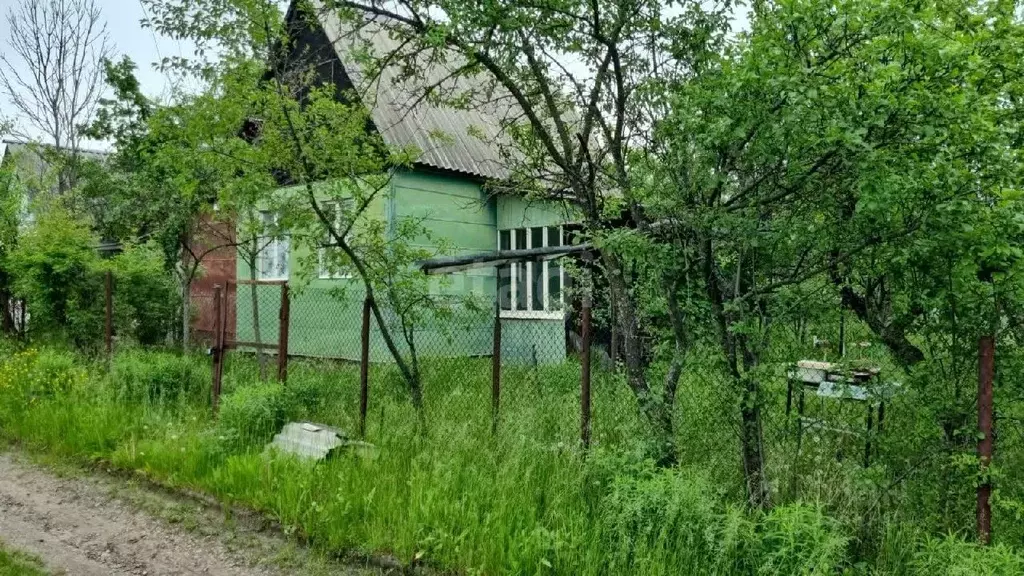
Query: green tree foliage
(849, 148)
(56, 270)
(12, 204)
(147, 300)
(281, 139)
(582, 82)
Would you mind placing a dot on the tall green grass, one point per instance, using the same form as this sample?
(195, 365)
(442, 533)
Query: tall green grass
(452, 495)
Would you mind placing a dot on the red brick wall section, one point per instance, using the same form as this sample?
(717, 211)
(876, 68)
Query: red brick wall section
(218, 266)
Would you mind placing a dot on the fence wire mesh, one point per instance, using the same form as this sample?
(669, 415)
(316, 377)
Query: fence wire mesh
(470, 363)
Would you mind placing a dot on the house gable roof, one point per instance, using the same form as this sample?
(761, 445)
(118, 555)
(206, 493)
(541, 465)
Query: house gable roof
(468, 141)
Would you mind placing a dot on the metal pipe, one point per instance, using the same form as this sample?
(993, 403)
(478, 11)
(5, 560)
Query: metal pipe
(364, 366)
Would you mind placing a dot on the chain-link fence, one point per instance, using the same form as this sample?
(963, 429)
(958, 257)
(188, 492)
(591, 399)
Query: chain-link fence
(545, 374)
(814, 415)
(471, 339)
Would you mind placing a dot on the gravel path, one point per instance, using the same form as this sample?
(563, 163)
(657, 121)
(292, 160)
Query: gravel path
(92, 524)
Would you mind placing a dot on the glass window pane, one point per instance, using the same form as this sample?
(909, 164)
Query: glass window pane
(554, 285)
(536, 237)
(263, 264)
(505, 287)
(282, 257)
(521, 280)
(520, 239)
(505, 272)
(330, 210)
(537, 284)
(554, 237)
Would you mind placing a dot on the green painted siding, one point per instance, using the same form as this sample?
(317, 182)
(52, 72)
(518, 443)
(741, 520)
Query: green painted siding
(517, 212)
(326, 313)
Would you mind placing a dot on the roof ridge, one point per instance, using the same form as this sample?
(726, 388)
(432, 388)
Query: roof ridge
(48, 145)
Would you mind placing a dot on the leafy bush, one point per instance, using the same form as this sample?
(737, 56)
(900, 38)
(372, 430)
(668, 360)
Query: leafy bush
(952, 556)
(801, 539)
(56, 270)
(55, 371)
(251, 415)
(146, 298)
(30, 376)
(649, 514)
(158, 377)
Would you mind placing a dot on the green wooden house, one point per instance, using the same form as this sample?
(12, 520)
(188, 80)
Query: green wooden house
(446, 189)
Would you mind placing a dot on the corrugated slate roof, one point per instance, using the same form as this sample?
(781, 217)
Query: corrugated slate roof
(461, 140)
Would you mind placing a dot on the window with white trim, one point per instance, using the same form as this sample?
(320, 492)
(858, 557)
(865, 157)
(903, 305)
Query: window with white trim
(272, 260)
(337, 212)
(531, 289)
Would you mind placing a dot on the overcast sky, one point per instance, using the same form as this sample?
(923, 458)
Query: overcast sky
(143, 45)
(127, 35)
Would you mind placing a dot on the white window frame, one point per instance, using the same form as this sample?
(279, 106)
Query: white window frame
(515, 268)
(271, 251)
(322, 273)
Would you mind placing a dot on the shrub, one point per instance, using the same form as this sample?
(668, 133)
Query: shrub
(30, 376)
(801, 539)
(147, 301)
(56, 270)
(158, 377)
(651, 515)
(251, 415)
(952, 556)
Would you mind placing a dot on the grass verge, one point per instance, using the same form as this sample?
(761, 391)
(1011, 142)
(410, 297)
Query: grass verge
(454, 496)
(15, 563)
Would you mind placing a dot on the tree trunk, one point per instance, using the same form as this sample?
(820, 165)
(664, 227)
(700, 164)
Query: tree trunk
(261, 358)
(7, 314)
(652, 406)
(752, 441)
(751, 433)
(741, 361)
(186, 308)
(893, 336)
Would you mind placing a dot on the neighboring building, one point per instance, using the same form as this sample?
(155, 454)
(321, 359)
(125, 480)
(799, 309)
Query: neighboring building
(32, 164)
(445, 188)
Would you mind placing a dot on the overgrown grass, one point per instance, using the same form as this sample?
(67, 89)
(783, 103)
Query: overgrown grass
(453, 495)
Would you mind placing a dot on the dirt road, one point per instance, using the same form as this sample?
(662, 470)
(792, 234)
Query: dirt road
(96, 525)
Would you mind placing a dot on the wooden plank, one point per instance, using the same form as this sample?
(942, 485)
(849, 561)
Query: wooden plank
(499, 257)
(261, 346)
(245, 282)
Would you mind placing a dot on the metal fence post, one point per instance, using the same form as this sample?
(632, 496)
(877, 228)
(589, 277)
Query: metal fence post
(496, 367)
(284, 319)
(585, 376)
(109, 311)
(986, 373)
(218, 346)
(364, 366)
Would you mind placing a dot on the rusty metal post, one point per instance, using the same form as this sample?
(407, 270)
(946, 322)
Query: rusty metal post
(283, 321)
(986, 442)
(109, 306)
(496, 367)
(218, 346)
(364, 366)
(585, 376)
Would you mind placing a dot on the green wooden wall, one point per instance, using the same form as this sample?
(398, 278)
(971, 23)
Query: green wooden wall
(326, 313)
